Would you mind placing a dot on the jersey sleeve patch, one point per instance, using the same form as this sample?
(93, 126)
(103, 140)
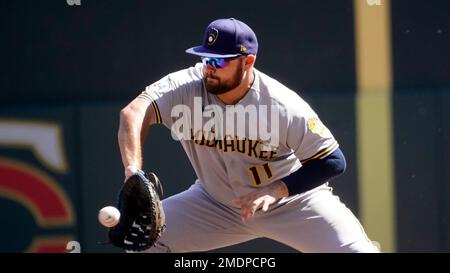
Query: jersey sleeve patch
(159, 86)
(316, 126)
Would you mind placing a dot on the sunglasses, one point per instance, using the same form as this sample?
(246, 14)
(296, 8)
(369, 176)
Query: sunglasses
(217, 62)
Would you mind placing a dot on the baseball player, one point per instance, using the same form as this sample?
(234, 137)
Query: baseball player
(251, 182)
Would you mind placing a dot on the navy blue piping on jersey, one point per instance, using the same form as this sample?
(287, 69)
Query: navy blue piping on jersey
(316, 172)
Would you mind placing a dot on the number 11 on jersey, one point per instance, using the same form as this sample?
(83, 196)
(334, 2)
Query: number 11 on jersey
(254, 173)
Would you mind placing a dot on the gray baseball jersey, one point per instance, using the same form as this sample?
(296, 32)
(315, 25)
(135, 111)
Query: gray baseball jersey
(235, 155)
(268, 134)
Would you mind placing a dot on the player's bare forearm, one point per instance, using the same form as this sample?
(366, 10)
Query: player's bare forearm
(129, 141)
(261, 198)
(133, 128)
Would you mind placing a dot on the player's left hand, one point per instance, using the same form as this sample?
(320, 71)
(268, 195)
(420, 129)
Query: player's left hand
(260, 198)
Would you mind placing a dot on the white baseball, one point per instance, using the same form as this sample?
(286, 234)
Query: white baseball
(109, 216)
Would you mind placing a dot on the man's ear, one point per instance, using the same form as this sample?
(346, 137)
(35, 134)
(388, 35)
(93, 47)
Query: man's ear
(250, 60)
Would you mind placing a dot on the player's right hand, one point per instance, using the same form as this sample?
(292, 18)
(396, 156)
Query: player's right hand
(260, 198)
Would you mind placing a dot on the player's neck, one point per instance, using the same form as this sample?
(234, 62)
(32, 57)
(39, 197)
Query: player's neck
(235, 95)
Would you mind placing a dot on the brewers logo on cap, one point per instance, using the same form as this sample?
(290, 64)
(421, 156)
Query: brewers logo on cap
(212, 35)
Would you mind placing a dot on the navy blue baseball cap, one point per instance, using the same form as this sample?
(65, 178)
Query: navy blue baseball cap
(226, 38)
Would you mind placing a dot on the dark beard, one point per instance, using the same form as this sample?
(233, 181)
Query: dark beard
(221, 88)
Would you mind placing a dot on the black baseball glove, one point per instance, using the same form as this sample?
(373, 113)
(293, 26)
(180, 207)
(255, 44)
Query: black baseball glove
(141, 213)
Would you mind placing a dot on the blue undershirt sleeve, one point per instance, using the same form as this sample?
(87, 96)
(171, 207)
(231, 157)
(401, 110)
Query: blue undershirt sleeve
(315, 172)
